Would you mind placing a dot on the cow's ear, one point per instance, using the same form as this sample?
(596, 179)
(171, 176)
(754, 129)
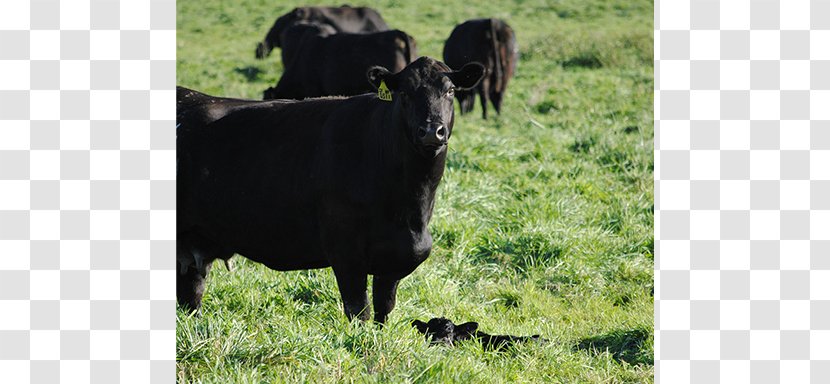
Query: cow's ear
(376, 74)
(468, 76)
(420, 325)
(468, 328)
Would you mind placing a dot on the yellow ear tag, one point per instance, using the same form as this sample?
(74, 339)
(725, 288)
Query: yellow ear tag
(383, 92)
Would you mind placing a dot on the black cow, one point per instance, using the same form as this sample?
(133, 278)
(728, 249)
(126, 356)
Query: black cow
(341, 19)
(322, 64)
(491, 42)
(347, 183)
(440, 330)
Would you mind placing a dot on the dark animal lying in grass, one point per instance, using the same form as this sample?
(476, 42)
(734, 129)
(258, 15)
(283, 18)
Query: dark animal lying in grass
(341, 19)
(442, 331)
(347, 183)
(491, 42)
(319, 63)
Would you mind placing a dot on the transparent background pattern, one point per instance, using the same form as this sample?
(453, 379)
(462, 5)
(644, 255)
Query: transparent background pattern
(742, 164)
(87, 191)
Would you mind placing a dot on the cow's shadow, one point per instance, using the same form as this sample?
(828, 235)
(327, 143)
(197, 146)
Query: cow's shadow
(623, 345)
(251, 73)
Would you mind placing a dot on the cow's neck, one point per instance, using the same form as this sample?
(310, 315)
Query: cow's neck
(420, 175)
(424, 182)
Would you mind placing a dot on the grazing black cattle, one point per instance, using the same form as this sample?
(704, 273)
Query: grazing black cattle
(341, 19)
(491, 42)
(440, 330)
(322, 64)
(347, 183)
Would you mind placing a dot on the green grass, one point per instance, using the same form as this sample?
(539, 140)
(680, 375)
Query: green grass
(543, 221)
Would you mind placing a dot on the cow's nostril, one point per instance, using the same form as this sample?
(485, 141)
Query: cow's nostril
(440, 132)
(422, 132)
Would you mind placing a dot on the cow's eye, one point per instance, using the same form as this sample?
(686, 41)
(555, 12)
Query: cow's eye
(451, 92)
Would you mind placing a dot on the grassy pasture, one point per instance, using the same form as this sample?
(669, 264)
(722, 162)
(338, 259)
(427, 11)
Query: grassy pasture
(543, 221)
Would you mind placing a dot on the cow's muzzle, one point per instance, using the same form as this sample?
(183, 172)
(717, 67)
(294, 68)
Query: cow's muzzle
(433, 135)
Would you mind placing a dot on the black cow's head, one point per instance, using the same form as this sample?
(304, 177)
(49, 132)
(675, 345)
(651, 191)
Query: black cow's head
(285, 21)
(263, 49)
(424, 91)
(443, 331)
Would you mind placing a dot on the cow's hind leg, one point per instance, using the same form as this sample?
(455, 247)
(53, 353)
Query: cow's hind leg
(194, 256)
(191, 274)
(484, 94)
(384, 290)
(495, 97)
(352, 285)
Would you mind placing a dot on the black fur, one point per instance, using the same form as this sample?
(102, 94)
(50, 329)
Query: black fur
(488, 41)
(347, 183)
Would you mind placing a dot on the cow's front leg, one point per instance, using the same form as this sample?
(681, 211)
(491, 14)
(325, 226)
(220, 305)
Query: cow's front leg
(384, 290)
(352, 284)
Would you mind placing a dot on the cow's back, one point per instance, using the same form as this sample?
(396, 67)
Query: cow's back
(194, 108)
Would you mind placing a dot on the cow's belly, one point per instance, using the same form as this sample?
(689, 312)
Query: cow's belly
(282, 250)
(282, 236)
(289, 243)
(287, 262)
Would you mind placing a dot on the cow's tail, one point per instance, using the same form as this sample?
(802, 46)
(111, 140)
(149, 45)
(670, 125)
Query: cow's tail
(512, 50)
(498, 70)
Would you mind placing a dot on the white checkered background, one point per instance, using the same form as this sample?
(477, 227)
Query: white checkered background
(742, 110)
(87, 191)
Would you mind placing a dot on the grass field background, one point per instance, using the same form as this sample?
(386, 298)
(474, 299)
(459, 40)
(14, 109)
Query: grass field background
(542, 225)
